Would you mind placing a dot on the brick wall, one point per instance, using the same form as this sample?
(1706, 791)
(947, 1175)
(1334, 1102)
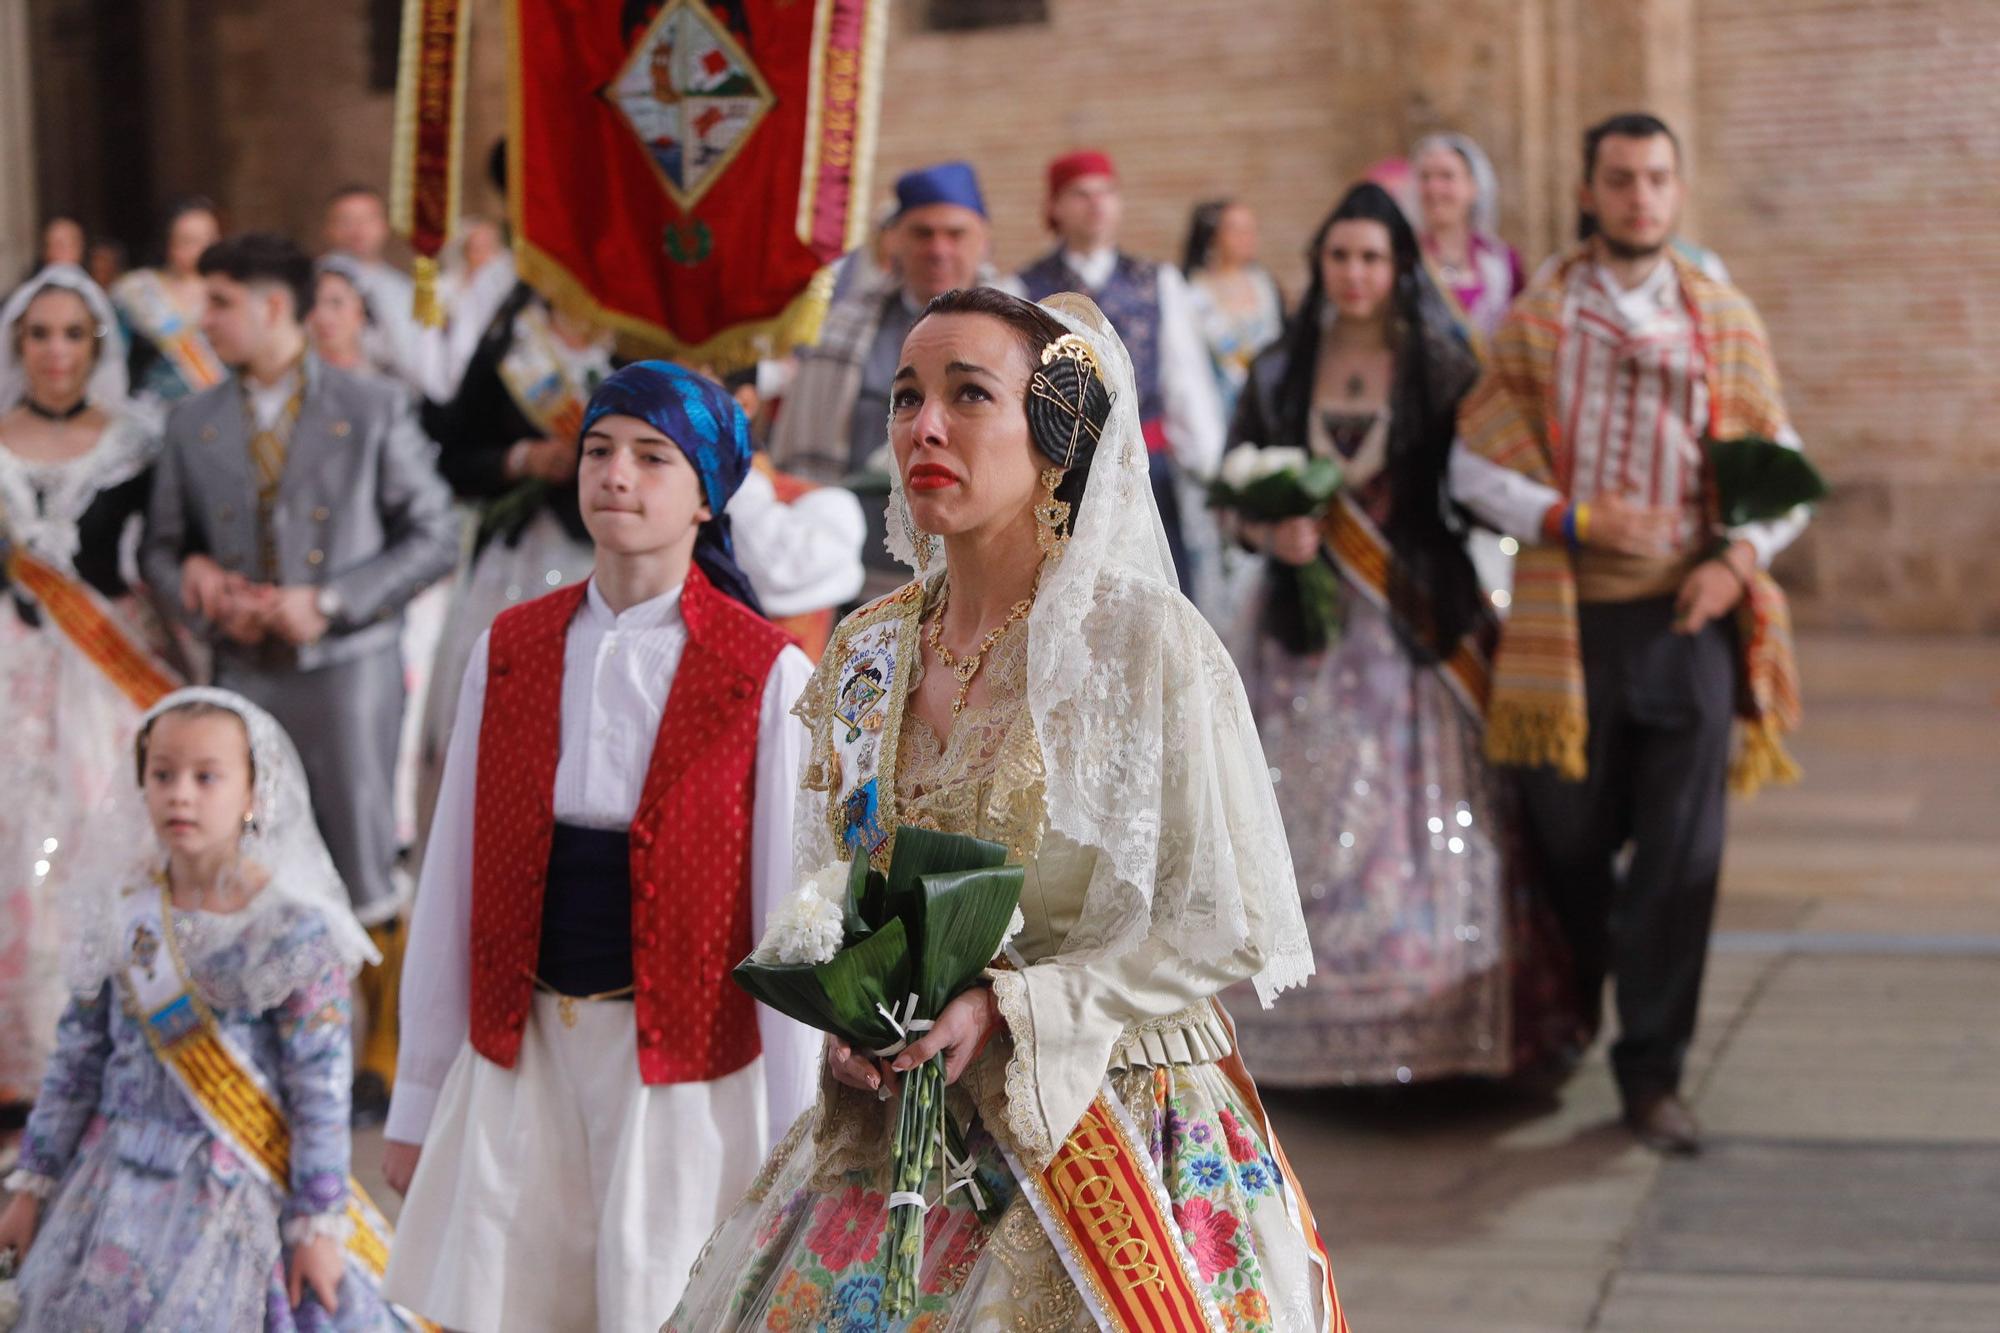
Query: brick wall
(1851, 177)
(1845, 157)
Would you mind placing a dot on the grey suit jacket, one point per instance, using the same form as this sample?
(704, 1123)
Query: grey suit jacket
(360, 507)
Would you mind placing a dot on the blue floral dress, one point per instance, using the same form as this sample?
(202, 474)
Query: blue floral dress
(151, 1221)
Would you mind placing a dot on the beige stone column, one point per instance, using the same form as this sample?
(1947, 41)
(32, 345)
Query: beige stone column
(17, 144)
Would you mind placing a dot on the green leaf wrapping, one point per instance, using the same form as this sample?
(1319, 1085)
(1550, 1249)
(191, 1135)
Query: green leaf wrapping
(840, 996)
(928, 927)
(1758, 479)
(965, 917)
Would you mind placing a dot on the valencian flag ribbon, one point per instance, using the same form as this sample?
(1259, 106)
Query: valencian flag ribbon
(685, 171)
(1364, 555)
(430, 115)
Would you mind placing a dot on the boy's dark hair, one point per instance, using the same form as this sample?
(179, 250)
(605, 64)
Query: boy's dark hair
(1627, 125)
(263, 256)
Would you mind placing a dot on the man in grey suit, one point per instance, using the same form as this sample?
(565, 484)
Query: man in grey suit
(295, 512)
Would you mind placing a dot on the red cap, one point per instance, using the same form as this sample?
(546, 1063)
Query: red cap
(1072, 166)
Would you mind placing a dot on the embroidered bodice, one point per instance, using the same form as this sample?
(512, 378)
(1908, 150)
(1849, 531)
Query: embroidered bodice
(1071, 1022)
(73, 513)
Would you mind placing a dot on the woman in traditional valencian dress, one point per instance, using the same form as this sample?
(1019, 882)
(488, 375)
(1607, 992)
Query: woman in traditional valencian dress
(1059, 697)
(186, 1166)
(507, 444)
(1477, 273)
(1237, 301)
(78, 646)
(1403, 840)
(162, 308)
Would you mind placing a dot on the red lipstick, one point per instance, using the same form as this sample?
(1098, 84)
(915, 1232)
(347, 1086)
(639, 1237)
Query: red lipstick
(930, 477)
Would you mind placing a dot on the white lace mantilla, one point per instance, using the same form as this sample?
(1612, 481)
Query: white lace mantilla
(1139, 711)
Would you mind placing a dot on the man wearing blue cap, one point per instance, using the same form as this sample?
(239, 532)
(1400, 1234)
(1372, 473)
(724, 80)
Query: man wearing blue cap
(836, 410)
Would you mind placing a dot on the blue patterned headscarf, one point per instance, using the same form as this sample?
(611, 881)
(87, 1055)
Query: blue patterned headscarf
(702, 418)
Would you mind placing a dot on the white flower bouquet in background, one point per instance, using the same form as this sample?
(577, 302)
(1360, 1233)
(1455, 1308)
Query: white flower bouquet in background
(1271, 485)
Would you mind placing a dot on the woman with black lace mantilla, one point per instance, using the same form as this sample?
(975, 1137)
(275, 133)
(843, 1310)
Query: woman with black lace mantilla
(1043, 684)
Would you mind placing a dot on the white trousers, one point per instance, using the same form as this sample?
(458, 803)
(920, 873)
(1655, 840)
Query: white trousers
(565, 1194)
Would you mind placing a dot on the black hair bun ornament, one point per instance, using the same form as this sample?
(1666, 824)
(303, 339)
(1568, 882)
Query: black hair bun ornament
(1068, 401)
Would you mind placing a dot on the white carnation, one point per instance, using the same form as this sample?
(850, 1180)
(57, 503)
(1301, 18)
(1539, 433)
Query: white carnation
(807, 927)
(1015, 925)
(1239, 466)
(1278, 461)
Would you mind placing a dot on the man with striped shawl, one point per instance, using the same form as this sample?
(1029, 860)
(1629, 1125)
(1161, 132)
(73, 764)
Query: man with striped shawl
(1641, 629)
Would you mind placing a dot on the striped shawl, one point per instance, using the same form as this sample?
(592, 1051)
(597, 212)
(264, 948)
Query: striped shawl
(1538, 714)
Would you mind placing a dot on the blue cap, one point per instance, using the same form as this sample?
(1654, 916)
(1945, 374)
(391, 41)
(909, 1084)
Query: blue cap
(945, 183)
(702, 418)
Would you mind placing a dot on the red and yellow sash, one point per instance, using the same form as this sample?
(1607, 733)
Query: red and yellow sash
(1113, 1228)
(81, 615)
(1364, 557)
(226, 1089)
(178, 339)
(1112, 1224)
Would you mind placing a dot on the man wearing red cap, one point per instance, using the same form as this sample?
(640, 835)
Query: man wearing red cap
(1150, 306)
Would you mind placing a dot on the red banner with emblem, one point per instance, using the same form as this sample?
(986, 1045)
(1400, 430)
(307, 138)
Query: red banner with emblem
(686, 170)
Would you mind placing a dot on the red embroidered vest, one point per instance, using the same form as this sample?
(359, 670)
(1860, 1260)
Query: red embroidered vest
(690, 835)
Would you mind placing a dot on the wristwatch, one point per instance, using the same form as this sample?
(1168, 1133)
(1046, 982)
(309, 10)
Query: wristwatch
(329, 603)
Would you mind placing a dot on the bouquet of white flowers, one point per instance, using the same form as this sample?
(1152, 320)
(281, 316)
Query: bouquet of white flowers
(1268, 486)
(873, 958)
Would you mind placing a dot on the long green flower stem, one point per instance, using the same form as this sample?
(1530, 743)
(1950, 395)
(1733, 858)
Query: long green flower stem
(918, 1125)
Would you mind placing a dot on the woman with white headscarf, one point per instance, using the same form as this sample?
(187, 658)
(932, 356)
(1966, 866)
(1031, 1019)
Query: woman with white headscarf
(78, 646)
(1459, 202)
(1042, 684)
(187, 1164)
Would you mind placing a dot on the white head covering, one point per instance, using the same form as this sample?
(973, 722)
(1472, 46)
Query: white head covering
(1485, 185)
(1149, 750)
(282, 839)
(109, 385)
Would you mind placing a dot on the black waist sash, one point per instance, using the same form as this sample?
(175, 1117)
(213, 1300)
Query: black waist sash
(587, 912)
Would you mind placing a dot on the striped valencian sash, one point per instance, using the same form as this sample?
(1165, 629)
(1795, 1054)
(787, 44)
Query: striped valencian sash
(179, 340)
(1363, 555)
(1112, 1225)
(552, 391)
(225, 1087)
(1514, 417)
(82, 616)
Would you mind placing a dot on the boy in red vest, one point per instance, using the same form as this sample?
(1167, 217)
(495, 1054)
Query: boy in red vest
(582, 1090)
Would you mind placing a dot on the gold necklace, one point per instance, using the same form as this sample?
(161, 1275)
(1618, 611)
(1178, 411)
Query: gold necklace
(966, 669)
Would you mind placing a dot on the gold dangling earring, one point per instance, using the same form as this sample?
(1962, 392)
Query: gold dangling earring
(922, 543)
(1052, 517)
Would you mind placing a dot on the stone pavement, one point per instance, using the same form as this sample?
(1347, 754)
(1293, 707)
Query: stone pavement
(1847, 1072)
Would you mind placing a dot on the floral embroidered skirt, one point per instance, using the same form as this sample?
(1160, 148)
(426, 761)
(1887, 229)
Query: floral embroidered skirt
(793, 1259)
(157, 1228)
(1436, 953)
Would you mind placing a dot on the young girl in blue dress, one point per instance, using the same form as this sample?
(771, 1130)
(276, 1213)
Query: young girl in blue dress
(186, 1165)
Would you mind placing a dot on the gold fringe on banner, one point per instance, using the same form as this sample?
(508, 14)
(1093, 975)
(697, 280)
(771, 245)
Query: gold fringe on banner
(430, 124)
(424, 304)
